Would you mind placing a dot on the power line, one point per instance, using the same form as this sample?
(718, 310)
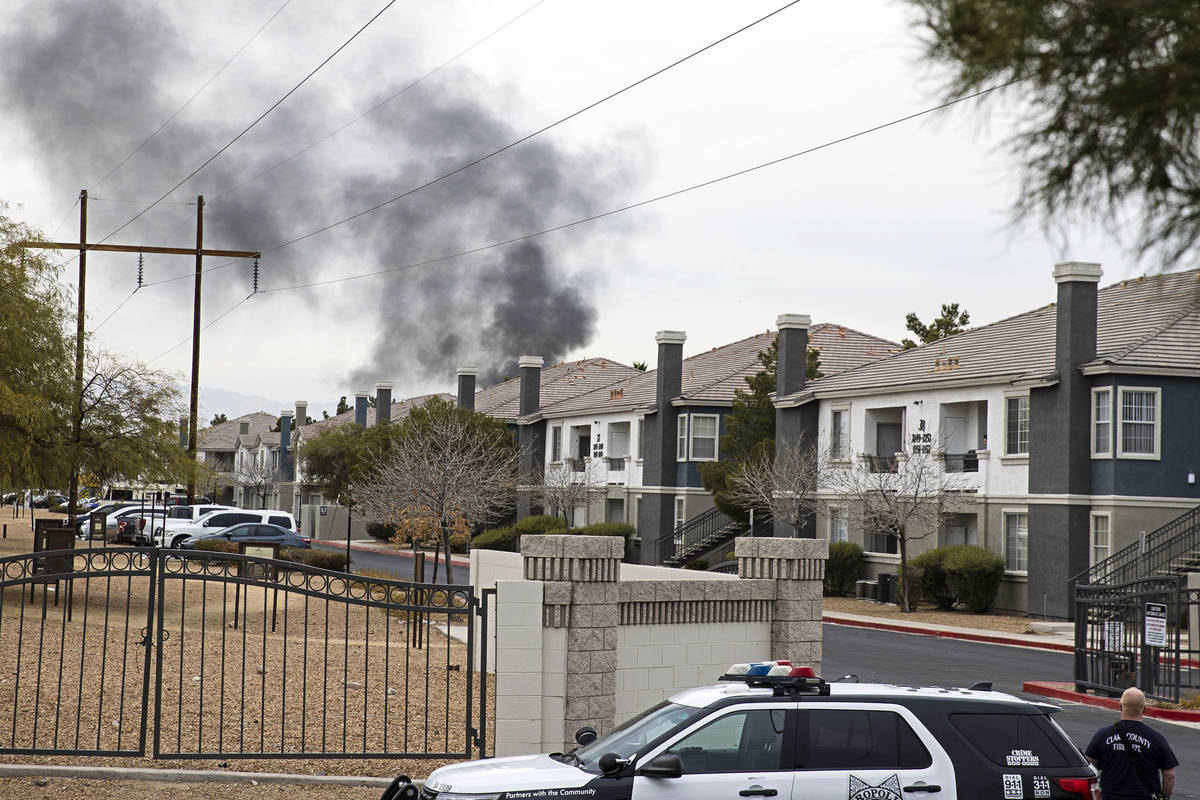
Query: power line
(648, 201)
(114, 311)
(206, 327)
(251, 126)
(195, 94)
(377, 106)
(512, 144)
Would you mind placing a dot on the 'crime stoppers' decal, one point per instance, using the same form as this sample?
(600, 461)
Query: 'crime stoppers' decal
(1022, 758)
(861, 790)
(1013, 790)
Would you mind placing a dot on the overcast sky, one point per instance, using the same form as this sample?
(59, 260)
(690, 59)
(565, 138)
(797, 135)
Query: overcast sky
(860, 233)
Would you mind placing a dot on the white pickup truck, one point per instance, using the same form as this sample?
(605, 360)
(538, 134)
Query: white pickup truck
(178, 516)
(220, 517)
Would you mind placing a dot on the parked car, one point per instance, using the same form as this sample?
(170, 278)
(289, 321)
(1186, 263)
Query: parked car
(50, 500)
(181, 500)
(109, 511)
(251, 533)
(783, 732)
(135, 525)
(13, 498)
(186, 515)
(216, 521)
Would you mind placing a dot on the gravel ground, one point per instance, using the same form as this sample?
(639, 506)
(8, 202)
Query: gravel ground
(58, 788)
(1007, 623)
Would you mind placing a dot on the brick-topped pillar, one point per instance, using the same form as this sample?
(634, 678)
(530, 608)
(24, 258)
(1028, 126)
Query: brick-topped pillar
(798, 568)
(581, 573)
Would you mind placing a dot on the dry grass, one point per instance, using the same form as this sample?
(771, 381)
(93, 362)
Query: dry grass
(928, 614)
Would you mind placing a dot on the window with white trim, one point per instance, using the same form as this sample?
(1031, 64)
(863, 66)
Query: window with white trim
(1016, 426)
(1101, 537)
(704, 437)
(1016, 542)
(556, 444)
(1139, 434)
(679, 515)
(881, 542)
(838, 531)
(1102, 422)
(681, 438)
(839, 434)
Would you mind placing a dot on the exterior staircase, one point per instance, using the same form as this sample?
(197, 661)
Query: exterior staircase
(1173, 549)
(702, 533)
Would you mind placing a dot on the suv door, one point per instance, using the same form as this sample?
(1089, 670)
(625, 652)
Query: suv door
(218, 521)
(868, 752)
(738, 751)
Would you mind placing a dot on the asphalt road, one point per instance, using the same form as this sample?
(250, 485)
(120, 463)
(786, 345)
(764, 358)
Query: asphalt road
(398, 564)
(909, 659)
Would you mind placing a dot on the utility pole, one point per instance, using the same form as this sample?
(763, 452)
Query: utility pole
(199, 252)
(195, 395)
(77, 422)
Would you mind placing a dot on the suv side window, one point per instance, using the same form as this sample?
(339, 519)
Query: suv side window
(854, 739)
(282, 522)
(225, 520)
(1017, 740)
(744, 741)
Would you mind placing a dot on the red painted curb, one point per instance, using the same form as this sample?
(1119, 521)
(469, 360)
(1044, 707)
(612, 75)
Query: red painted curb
(970, 637)
(1062, 691)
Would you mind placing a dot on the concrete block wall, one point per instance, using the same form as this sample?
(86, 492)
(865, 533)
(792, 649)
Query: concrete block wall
(577, 645)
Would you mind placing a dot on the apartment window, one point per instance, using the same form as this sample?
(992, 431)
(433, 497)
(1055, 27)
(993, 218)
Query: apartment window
(556, 444)
(882, 542)
(704, 437)
(1016, 542)
(1016, 427)
(1101, 537)
(1139, 423)
(1101, 423)
(837, 525)
(839, 434)
(679, 511)
(681, 437)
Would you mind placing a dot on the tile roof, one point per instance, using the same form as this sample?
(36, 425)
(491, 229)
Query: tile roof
(1147, 322)
(713, 376)
(224, 436)
(560, 382)
(400, 410)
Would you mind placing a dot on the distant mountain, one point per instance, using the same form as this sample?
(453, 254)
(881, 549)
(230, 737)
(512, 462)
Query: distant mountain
(215, 401)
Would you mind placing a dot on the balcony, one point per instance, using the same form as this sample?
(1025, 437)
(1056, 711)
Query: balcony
(961, 462)
(576, 464)
(881, 463)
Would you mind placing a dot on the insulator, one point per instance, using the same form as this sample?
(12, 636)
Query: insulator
(254, 284)
(140, 267)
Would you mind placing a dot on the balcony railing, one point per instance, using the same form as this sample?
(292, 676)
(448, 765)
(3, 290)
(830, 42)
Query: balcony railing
(576, 464)
(962, 462)
(616, 464)
(881, 463)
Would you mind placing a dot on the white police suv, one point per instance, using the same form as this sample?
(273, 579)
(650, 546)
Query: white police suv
(773, 730)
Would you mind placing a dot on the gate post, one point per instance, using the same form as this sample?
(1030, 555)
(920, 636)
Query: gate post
(798, 568)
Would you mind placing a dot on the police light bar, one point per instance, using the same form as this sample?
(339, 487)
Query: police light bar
(778, 675)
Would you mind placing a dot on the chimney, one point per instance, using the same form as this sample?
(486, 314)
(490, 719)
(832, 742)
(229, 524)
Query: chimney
(243, 428)
(659, 467)
(285, 439)
(360, 409)
(793, 353)
(383, 402)
(466, 386)
(531, 437)
(301, 413)
(1060, 459)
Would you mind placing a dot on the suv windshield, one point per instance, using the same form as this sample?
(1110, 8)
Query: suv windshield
(637, 732)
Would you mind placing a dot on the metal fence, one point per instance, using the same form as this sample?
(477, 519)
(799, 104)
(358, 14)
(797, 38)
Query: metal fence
(1137, 633)
(191, 654)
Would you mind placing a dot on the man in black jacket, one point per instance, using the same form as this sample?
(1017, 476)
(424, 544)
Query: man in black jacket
(1134, 760)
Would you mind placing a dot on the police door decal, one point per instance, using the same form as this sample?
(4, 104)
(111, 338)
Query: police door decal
(861, 790)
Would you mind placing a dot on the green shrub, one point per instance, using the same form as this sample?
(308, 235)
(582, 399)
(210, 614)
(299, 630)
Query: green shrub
(322, 559)
(504, 539)
(697, 564)
(606, 529)
(214, 545)
(542, 523)
(933, 577)
(974, 574)
(843, 568)
(381, 531)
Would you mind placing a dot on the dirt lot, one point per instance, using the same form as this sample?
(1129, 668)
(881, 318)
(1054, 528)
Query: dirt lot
(57, 788)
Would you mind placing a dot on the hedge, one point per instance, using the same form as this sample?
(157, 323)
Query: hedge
(623, 529)
(842, 568)
(933, 577)
(508, 537)
(322, 559)
(974, 574)
(377, 530)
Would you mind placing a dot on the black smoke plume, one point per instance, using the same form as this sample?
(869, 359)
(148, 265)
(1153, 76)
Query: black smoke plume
(93, 78)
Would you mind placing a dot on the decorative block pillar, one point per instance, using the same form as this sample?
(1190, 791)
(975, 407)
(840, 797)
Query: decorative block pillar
(580, 574)
(798, 568)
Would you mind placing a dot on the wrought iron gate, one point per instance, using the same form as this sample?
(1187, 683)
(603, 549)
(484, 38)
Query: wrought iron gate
(206, 655)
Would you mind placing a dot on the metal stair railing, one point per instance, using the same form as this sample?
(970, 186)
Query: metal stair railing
(1164, 550)
(666, 547)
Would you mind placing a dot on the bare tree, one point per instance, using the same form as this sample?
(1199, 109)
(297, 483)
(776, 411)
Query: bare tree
(256, 474)
(905, 499)
(562, 487)
(445, 464)
(781, 482)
